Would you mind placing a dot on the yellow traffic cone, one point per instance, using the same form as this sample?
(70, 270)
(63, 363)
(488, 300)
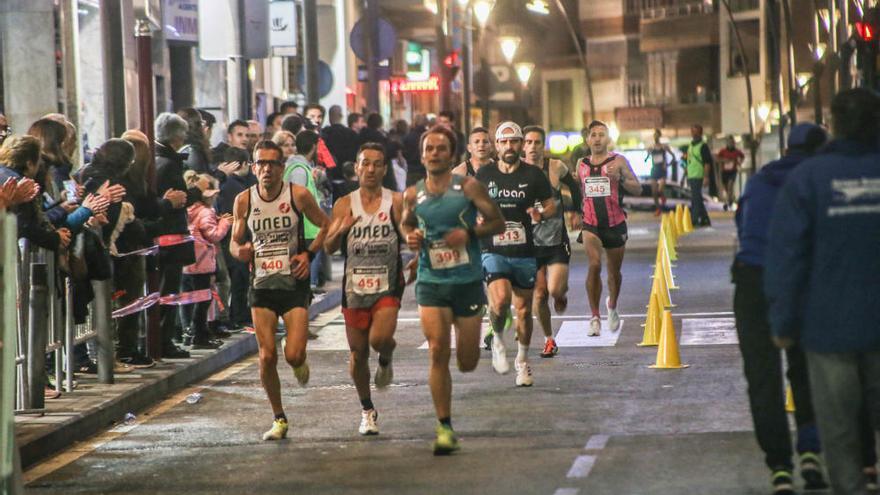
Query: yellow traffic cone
(789, 400)
(666, 265)
(673, 227)
(679, 219)
(670, 244)
(653, 323)
(659, 287)
(667, 350)
(688, 221)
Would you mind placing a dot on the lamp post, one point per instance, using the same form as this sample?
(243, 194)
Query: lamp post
(509, 44)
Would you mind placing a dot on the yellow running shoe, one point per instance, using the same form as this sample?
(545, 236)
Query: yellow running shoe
(302, 374)
(278, 430)
(446, 442)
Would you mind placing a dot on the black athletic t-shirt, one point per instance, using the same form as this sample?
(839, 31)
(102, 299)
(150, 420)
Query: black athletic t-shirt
(514, 193)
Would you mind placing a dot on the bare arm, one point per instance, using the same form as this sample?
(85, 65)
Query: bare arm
(628, 179)
(310, 209)
(239, 247)
(340, 224)
(493, 220)
(408, 221)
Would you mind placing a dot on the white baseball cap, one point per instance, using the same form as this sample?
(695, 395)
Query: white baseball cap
(508, 130)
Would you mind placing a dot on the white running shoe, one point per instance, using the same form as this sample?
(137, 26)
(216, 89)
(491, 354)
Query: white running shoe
(523, 374)
(613, 317)
(368, 423)
(384, 375)
(595, 327)
(499, 355)
(302, 374)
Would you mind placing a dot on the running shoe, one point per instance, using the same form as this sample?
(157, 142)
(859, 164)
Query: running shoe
(384, 375)
(782, 482)
(446, 442)
(487, 340)
(613, 317)
(811, 472)
(550, 348)
(871, 479)
(368, 423)
(499, 357)
(523, 374)
(278, 430)
(595, 327)
(560, 305)
(302, 374)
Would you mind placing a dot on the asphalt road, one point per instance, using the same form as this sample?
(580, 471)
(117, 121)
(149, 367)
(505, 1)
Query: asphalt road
(597, 421)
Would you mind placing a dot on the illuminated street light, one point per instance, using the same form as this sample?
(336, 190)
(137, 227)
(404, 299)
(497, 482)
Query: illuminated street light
(803, 78)
(538, 7)
(764, 111)
(509, 44)
(818, 50)
(825, 17)
(524, 72)
(482, 9)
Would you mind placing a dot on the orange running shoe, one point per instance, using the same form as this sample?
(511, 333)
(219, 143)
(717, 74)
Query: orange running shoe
(550, 348)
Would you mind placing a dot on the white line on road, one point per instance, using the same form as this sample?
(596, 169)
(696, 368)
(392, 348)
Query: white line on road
(581, 466)
(596, 442)
(581, 317)
(567, 491)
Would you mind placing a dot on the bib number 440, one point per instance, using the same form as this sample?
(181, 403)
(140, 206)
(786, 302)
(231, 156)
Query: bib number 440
(272, 265)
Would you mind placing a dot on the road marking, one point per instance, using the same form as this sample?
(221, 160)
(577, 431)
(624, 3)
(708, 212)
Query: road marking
(88, 446)
(567, 491)
(581, 317)
(582, 466)
(708, 331)
(574, 334)
(596, 442)
(330, 338)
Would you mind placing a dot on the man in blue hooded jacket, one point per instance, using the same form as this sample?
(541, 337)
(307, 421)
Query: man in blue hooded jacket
(822, 280)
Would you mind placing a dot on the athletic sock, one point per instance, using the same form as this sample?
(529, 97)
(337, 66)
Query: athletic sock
(447, 421)
(280, 416)
(497, 322)
(367, 404)
(595, 313)
(384, 361)
(610, 306)
(522, 352)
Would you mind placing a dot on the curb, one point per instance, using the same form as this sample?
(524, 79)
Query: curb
(84, 424)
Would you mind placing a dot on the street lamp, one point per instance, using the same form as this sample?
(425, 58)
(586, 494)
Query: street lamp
(482, 9)
(538, 7)
(509, 44)
(524, 72)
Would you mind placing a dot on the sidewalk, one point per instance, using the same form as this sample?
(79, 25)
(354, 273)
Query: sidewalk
(91, 407)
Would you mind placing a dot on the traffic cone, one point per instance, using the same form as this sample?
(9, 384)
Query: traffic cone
(679, 219)
(670, 243)
(688, 221)
(660, 288)
(662, 265)
(673, 227)
(667, 350)
(653, 323)
(789, 400)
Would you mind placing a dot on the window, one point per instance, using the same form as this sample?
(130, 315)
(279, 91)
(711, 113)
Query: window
(750, 33)
(559, 104)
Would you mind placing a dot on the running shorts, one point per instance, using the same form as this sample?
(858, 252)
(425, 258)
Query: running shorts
(658, 173)
(362, 318)
(551, 255)
(611, 237)
(520, 272)
(465, 300)
(280, 301)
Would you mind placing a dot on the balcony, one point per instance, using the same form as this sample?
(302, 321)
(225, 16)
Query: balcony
(678, 24)
(666, 9)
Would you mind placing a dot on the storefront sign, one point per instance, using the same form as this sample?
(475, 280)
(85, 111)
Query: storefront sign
(181, 20)
(282, 38)
(633, 119)
(407, 86)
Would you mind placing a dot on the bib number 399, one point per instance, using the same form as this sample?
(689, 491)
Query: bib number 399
(443, 256)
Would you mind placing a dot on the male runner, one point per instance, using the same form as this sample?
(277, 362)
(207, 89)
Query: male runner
(552, 248)
(661, 157)
(601, 175)
(509, 258)
(439, 221)
(480, 150)
(364, 224)
(267, 232)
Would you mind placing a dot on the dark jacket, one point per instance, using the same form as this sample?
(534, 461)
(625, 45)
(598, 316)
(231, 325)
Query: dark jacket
(169, 175)
(756, 207)
(198, 159)
(32, 222)
(230, 188)
(411, 151)
(342, 142)
(92, 178)
(822, 271)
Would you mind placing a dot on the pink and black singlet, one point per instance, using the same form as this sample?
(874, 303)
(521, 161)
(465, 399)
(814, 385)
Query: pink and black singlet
(601, 205)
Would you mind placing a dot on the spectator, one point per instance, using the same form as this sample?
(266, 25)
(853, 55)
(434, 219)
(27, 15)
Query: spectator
(822, 277)
(762, 362)
(730, 159)
(373, 132)
(292, 123)
(341, 140)
(254, 134)
(238, 177)
(199, 158)
(5, 129)
(699, 168)
(446, 118)
(207, 229)
(287, 142)
(356, 122)
(314, 113)
(411, 152)
(273, 123)
(580, 151)
(288, 107)
(174, 251)
(236, 137)
(300, 169)
(209, 121)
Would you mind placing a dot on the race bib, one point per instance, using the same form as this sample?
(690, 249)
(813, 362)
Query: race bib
(597, 187)
(729, 166)
(513, 235)
(273, 256)
(659, 159)
(444, 257)
(369, 280)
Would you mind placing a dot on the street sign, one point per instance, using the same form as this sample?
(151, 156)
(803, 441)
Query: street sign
(282, 22)
(181, 20)
(325, 79)
(383, 72)
(387, 39)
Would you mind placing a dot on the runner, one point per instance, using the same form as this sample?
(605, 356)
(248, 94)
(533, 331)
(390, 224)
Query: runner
(661, 158)
(730, 159)
(268, 234)
(364, 224)
(601, 175)
(509, 263)
(480, 153)
(552, 248)
(439, 221)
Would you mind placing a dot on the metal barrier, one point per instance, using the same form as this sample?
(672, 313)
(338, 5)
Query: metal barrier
(10, 465)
